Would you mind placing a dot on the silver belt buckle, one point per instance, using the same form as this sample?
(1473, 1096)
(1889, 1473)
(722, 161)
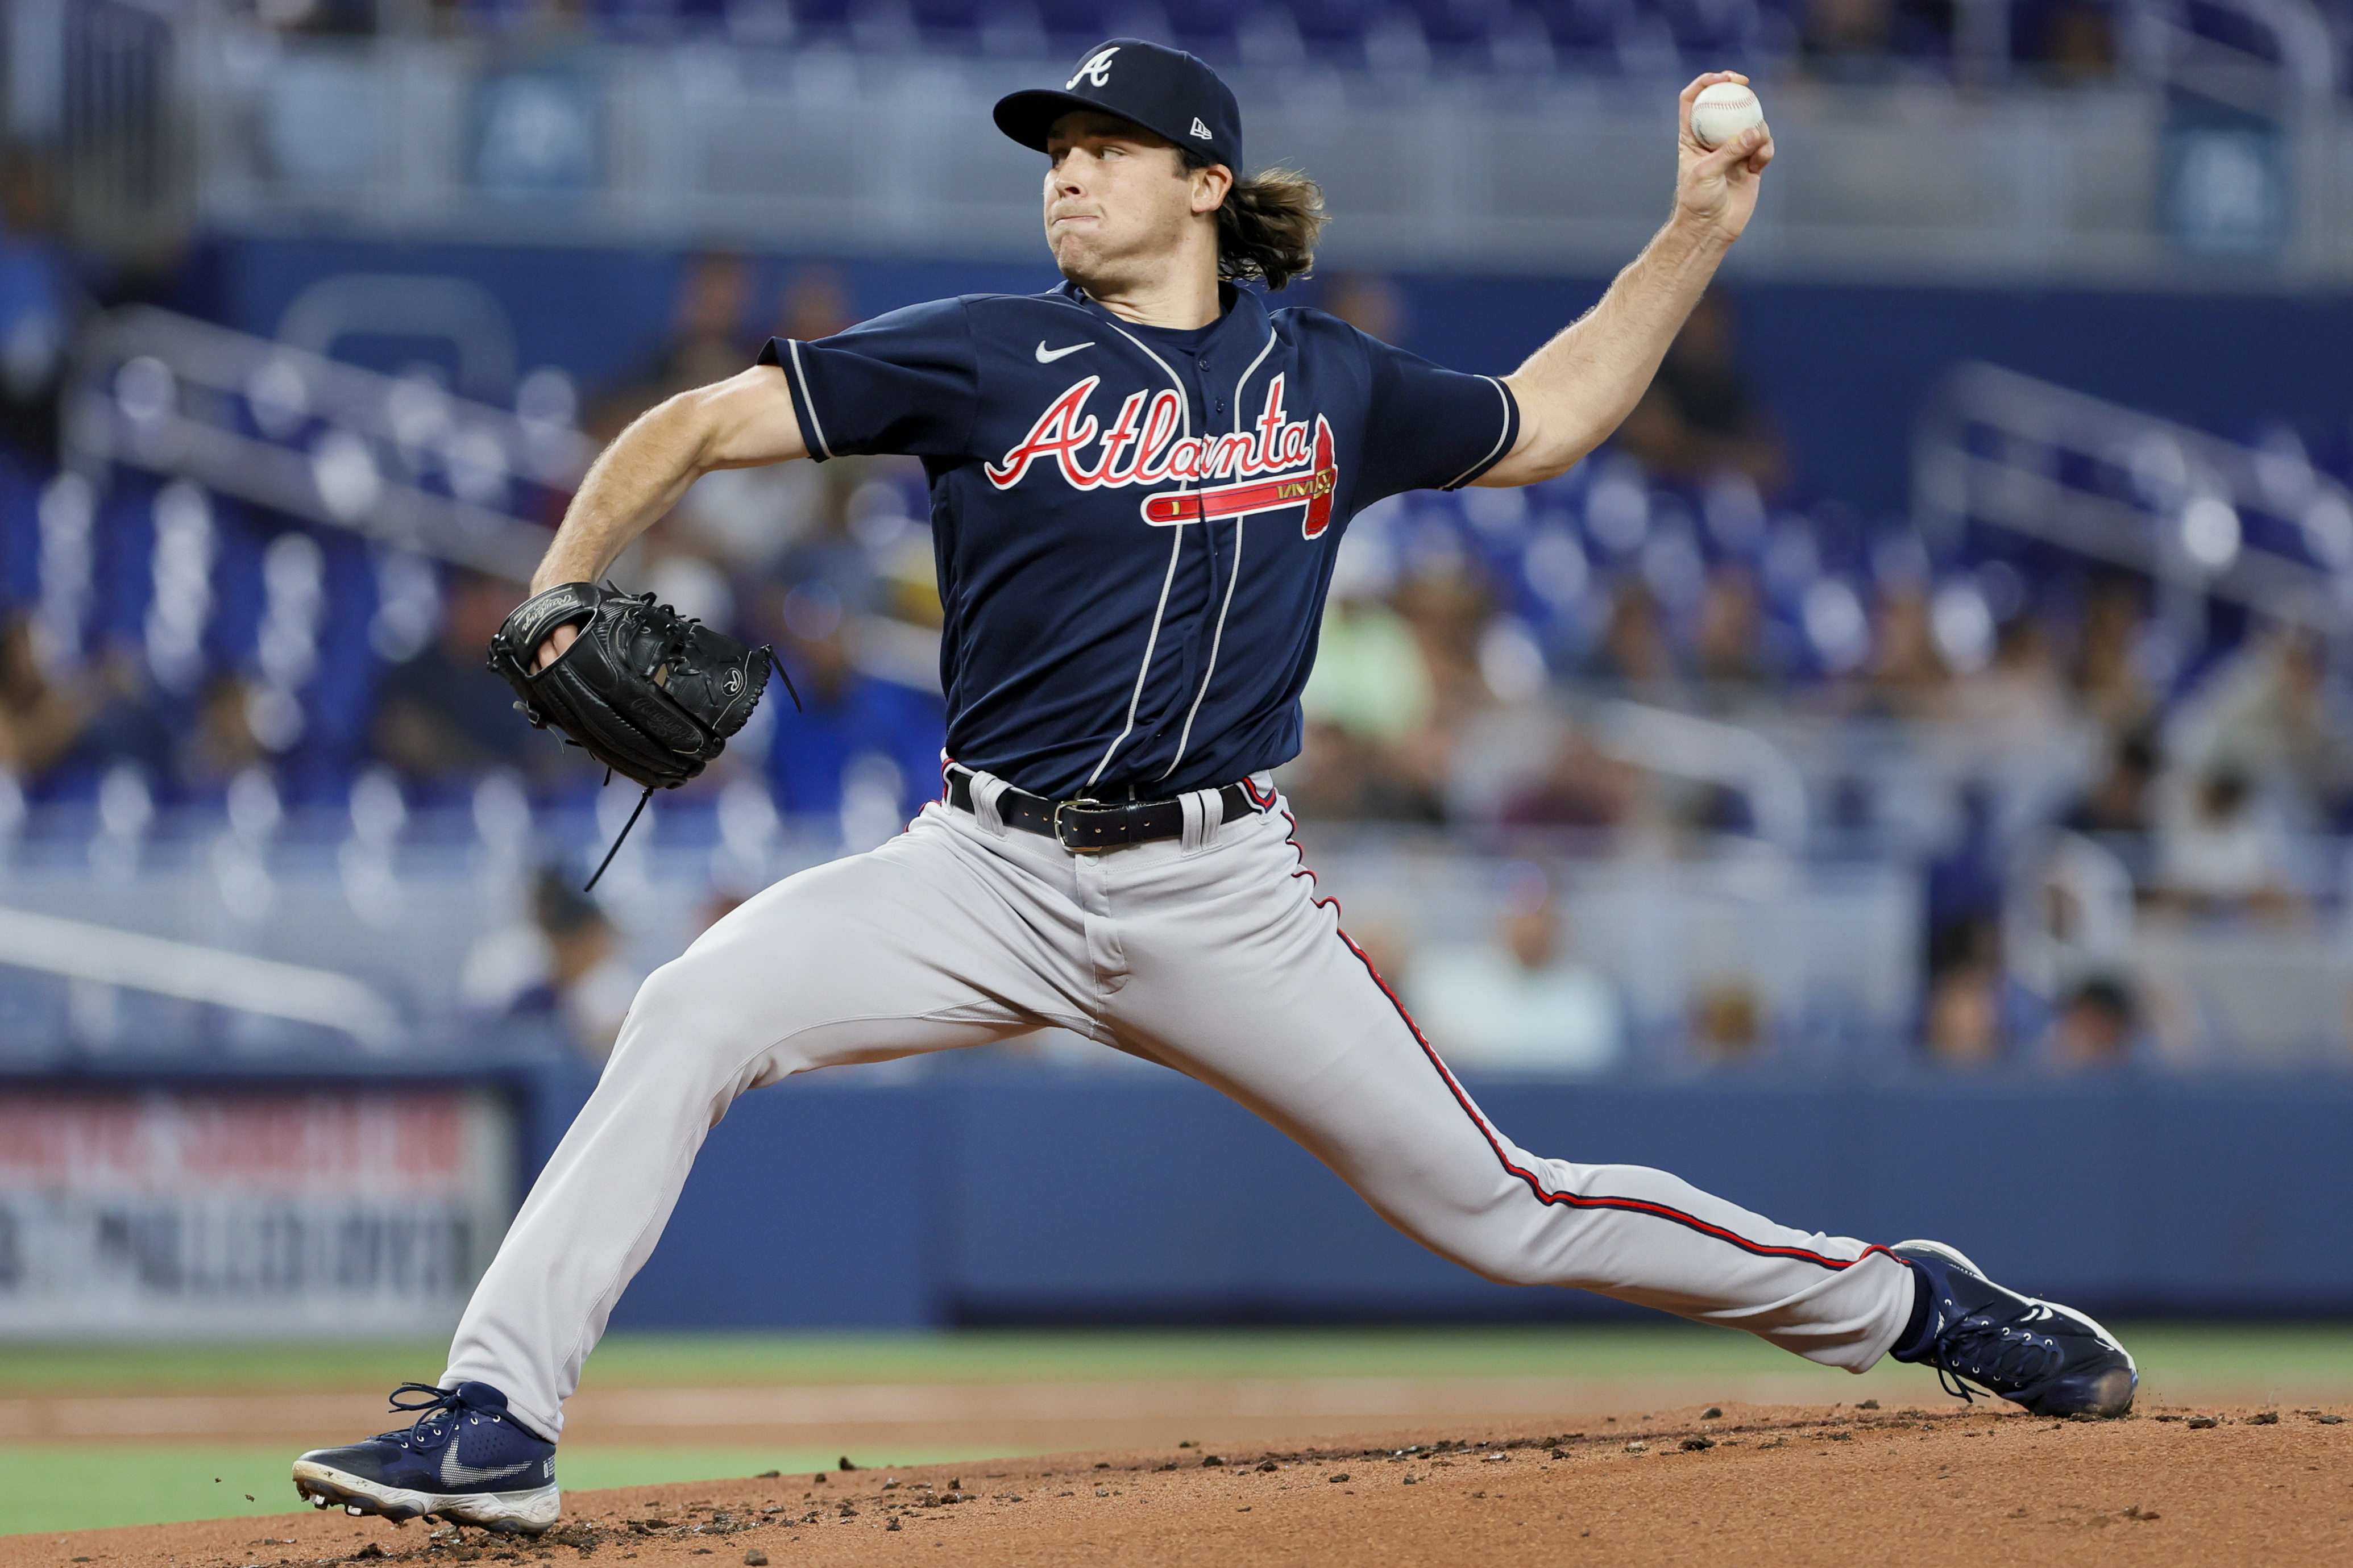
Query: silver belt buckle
(1063, 839)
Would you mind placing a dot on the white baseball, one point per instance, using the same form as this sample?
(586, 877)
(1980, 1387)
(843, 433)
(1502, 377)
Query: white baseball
(1722, 111)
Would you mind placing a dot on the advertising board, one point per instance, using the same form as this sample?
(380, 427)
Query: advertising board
(244, 1213)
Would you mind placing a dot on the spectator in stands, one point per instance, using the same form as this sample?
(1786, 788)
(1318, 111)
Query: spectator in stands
(1906, 677)
(2106, 674)
(2274, 713)
(1727, 1020)
(1371, 678)
(38, 304)
(1975, 1014)
(1519, 1002)
(63, 727)
(744, 521)
(2120, 807)
(1580, 789)
(222, 743)
(1729, 647)
(1701, 415)
(2016, 710)
(1862, 40)
(566, 966)
(709, 340)
(857, 737)
(40, 719)
(1369, 302)
(2219, 851)
(2068, 42)
(345, 19)
(1379, 734)
(441, 718)
(1634, 654)
(2094, 1026)
(1449, 611)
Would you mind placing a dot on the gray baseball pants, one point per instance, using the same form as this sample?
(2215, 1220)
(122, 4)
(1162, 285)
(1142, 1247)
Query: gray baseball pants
(1211, 955)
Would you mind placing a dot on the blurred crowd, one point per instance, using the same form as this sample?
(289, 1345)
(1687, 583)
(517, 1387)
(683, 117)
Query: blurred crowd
(2061, 41)
(2067, 759)
(1674, 652)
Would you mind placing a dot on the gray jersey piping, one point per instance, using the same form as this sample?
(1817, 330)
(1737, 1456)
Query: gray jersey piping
(1500, 435)
(808, 397)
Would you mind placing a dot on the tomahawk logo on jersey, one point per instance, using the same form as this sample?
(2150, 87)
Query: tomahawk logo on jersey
(1097, 638)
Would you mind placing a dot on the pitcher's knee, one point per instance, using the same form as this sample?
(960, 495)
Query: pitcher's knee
(1508, 1267)
(695, 1012)
(1497, 1247)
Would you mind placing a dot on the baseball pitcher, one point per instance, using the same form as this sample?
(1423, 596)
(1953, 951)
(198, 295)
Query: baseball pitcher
(1138, 481)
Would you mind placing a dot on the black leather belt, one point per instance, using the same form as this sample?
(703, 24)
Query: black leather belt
(1088, 827)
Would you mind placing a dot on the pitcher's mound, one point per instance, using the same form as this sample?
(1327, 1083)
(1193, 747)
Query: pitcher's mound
(1736, 1485)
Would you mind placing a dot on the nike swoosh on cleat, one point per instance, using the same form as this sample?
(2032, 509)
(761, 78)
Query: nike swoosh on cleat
(455, 1474)
(1045, 356)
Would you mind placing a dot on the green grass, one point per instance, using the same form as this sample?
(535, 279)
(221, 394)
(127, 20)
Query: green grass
(103, 1485)
(2255, 1354)
(60, 1487)
(672, 1361)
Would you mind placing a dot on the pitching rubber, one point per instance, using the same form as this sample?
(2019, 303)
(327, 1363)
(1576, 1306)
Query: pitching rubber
(510, 1514)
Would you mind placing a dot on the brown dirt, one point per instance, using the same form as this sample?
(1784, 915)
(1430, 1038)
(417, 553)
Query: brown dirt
(1745, 1485)
(885, 1420)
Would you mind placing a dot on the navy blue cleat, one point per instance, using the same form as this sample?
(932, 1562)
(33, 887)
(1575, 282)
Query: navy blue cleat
(463, 1458)
(2051, 1359)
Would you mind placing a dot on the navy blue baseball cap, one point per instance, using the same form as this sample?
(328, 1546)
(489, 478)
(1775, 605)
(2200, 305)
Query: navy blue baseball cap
(1167, 91)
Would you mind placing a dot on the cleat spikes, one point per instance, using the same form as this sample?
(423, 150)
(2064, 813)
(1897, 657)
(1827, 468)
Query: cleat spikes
(448, 1463)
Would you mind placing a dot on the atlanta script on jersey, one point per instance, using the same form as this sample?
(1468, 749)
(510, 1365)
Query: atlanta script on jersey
(1135, 527)
(1142, 447)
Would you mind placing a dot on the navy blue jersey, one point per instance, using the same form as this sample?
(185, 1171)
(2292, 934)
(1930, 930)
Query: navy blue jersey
(1133, 550)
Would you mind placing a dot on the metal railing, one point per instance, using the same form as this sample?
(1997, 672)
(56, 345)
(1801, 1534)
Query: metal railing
(825, 149)
(2139, 491)
(294, 431)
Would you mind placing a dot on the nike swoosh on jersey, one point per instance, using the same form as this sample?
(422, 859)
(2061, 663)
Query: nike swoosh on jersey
(1045, 356)
(457, 1474)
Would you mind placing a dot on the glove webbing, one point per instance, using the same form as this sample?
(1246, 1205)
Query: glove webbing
(606, 862)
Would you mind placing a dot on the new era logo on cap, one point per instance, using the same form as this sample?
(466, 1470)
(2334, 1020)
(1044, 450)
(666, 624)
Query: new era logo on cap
(1165, 90)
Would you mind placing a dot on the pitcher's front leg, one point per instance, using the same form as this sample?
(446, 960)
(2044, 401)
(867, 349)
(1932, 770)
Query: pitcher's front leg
(901, 951)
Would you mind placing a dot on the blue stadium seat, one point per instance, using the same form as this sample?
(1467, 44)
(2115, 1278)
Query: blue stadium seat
(1713, 30)
(1584, 30)
(952, 24)
(1209, 28)
(1461, 29)
(1334, 30)
(825, 18)
(1072, 24)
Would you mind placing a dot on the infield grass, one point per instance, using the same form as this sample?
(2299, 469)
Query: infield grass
(62, 1486)
(2256, 1355)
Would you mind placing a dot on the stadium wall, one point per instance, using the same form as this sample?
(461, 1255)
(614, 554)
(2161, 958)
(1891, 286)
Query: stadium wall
(1846, 367)
(1030, 1198)
(1020, 1196)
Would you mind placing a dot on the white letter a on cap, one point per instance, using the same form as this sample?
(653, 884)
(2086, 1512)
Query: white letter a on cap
(1096, 69)
(1200, 129)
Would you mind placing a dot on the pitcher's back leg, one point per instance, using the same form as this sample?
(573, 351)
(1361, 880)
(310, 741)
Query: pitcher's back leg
(1265, 999)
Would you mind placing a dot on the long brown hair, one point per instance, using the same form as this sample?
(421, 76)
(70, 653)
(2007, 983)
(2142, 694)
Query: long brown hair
(1268, 225)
